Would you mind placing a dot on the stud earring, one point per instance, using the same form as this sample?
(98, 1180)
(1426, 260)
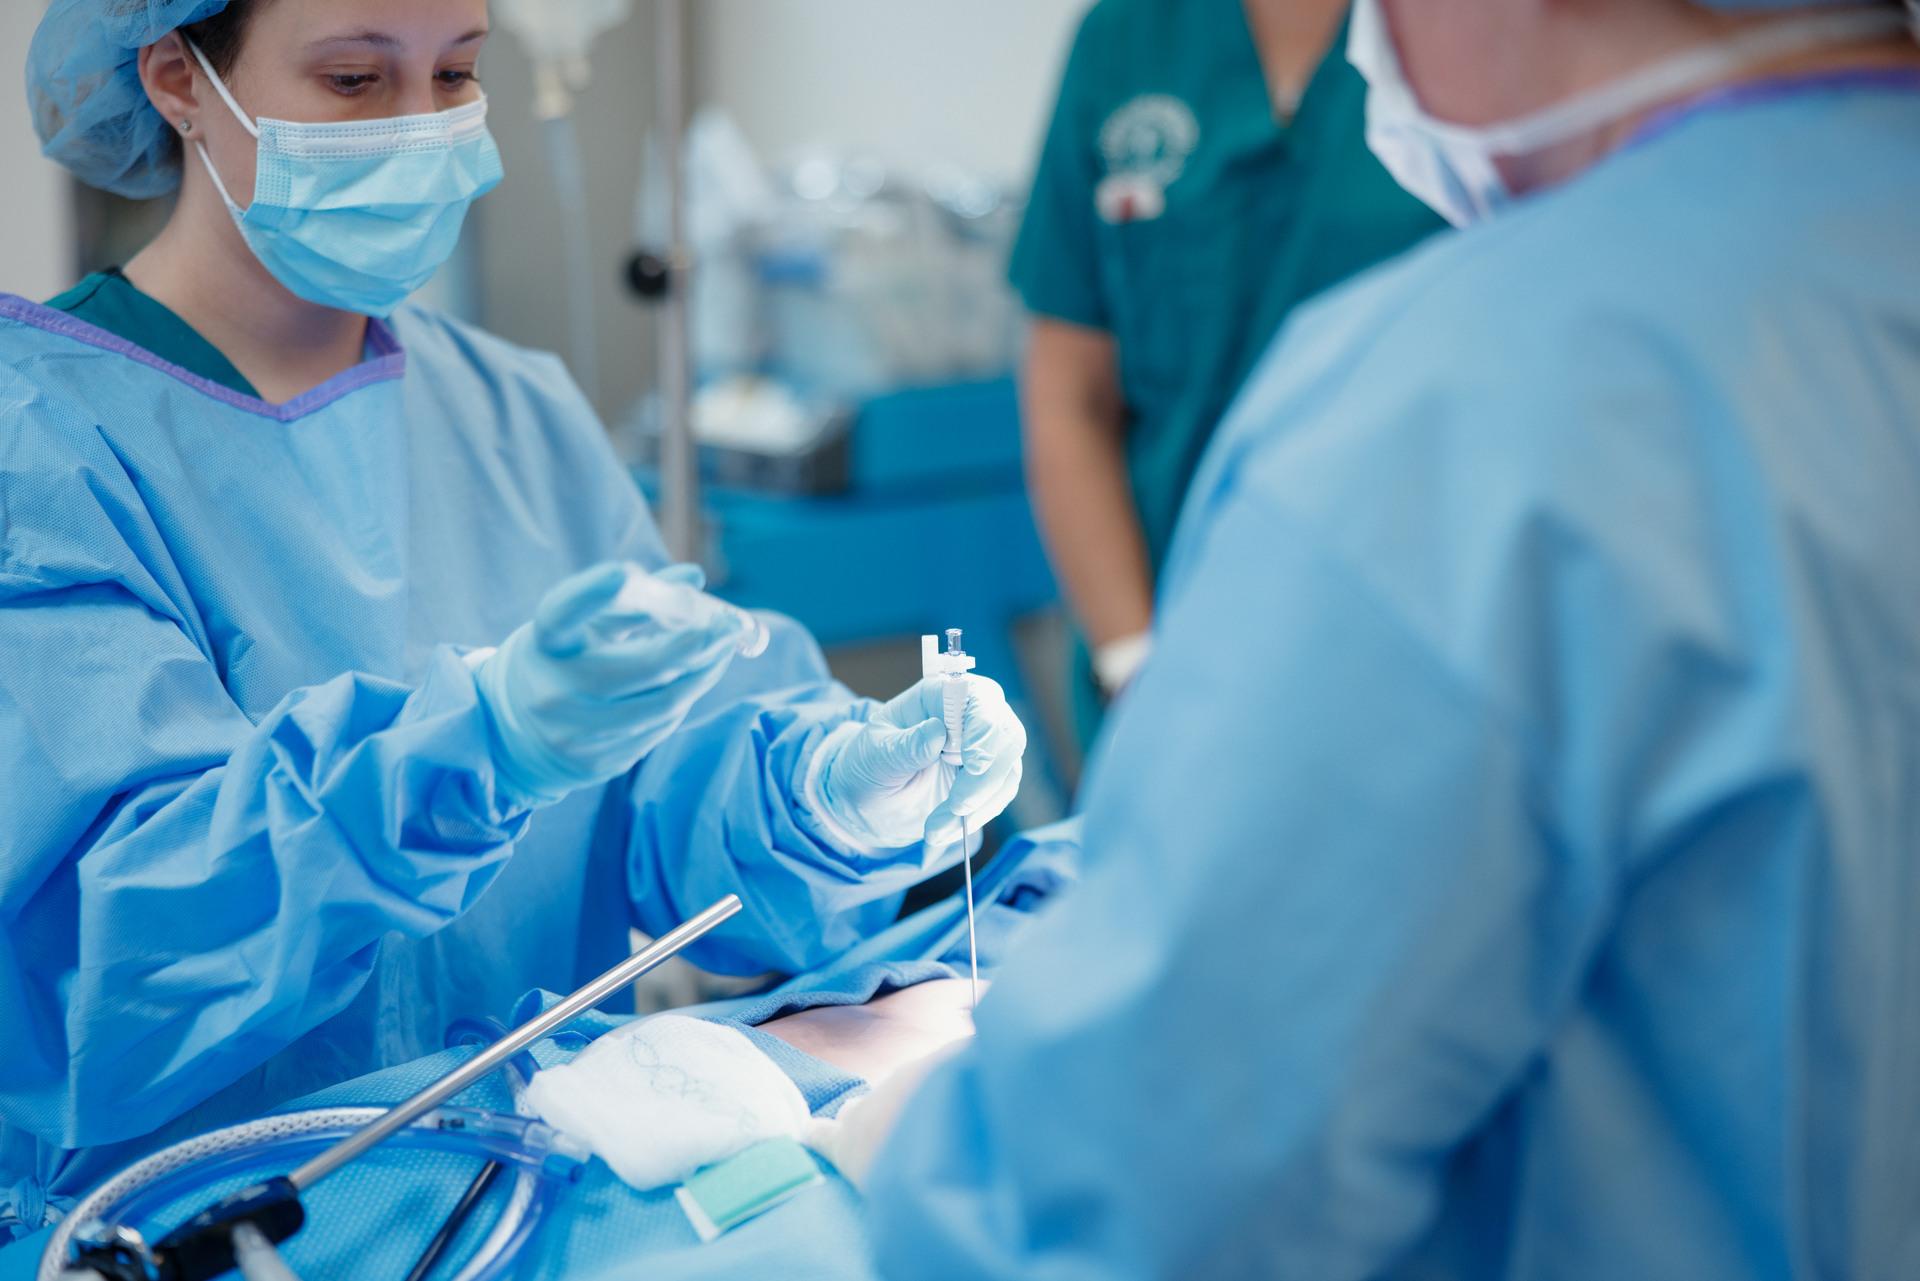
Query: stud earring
(186, 126)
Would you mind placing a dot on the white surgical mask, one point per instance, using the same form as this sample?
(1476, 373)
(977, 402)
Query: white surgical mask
(1454, 168)
(358, 214)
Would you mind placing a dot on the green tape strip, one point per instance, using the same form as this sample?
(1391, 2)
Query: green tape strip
(723, 1196)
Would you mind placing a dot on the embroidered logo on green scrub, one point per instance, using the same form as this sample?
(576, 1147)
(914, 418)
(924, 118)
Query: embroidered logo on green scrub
(1145, 146)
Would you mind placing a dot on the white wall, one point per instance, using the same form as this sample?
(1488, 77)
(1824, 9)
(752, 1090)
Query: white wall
(968, 81)
(36, 232)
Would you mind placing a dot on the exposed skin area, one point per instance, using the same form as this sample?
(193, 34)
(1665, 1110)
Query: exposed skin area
(892, 1031)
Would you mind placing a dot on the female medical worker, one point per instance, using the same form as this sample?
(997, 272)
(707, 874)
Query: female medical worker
(1205, 174)
(1507, 866)
(273, 813)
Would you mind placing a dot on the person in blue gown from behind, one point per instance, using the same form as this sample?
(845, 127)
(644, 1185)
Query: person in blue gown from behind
(1506, 865)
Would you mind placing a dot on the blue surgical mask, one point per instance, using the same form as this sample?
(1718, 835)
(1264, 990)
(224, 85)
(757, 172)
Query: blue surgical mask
(358, 214)
(1455, 168)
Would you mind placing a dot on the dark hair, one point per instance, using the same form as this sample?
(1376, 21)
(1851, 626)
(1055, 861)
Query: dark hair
(221, 36)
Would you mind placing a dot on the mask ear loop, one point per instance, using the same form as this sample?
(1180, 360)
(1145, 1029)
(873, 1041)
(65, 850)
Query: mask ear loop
(226, 96)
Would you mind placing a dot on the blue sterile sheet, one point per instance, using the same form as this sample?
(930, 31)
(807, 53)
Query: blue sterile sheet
(374, 1217)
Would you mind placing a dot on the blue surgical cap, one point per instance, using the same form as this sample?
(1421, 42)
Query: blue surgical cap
(83, 81)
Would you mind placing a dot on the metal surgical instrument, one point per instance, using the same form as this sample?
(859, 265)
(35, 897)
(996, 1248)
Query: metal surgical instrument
(204, 1247)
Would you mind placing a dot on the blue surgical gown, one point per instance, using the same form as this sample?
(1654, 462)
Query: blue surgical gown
(249, 842)
(1508, 865)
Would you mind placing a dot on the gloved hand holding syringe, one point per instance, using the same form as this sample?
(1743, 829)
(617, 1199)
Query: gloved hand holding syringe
(616, 658)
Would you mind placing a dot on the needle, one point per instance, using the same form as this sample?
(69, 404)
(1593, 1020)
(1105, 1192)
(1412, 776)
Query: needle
(952, 667)
(973, 945)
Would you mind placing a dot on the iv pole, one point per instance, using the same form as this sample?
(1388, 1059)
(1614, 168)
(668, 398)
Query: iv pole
(679, 467)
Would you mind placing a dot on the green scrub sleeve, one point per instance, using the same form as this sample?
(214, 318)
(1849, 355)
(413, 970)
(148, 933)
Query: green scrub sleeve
(1055, 264)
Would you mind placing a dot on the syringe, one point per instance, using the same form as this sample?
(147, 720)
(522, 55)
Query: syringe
(951, 667)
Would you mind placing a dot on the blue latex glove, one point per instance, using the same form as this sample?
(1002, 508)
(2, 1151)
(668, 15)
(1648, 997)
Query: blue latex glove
(881, 784)
(609, 666)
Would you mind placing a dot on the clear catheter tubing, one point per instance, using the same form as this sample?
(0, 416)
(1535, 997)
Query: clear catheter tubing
(543, 1160)
(570, 189)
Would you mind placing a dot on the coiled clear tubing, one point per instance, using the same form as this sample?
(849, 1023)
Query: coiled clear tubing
(542, 1161)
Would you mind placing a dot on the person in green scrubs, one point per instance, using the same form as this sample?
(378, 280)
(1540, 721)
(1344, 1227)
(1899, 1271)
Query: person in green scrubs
(1206, 172)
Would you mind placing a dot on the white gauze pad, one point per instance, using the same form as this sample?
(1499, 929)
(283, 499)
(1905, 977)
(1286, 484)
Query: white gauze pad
(661, 1098)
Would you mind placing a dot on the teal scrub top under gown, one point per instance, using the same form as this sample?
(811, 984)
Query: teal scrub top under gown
(1174, 210)
(251, 844)
(108, 300)
(1508, 865)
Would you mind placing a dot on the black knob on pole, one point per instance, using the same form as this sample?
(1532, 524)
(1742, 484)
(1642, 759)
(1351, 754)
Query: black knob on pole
(650, 275)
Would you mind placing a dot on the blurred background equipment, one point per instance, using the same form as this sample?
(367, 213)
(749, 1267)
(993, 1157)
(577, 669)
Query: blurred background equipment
(558, 35)
(853, 343)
